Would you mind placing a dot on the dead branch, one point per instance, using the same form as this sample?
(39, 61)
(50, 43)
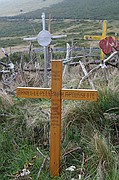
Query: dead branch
(71, 151)
(43, 163)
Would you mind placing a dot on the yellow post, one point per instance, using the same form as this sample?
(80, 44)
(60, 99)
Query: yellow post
(104, 34)
(55, 120)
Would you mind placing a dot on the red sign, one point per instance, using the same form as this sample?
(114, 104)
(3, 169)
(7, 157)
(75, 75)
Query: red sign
(108, 44)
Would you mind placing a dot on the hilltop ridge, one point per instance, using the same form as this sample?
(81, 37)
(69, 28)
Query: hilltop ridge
(81, 9)
(17, 7)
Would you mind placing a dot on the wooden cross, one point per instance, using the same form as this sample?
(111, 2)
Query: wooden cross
(98, 38)
(104, 34)
(44, 38)
(56, 93)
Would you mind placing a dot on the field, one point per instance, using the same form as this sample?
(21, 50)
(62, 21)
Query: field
(74, 29)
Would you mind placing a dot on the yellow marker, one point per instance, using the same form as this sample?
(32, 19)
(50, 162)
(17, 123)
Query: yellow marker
(98, 38)
(56, 94)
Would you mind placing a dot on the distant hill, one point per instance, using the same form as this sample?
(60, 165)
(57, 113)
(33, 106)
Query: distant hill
(82, 9)
(15, 7)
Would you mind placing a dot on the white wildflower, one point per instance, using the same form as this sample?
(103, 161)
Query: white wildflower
(79, 177)
(24, 172)
(71, 168)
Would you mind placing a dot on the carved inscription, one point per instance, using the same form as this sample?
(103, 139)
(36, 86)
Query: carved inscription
(55, 94)
(56, 75)
(33, 92)
(55, 114)
(74, 94)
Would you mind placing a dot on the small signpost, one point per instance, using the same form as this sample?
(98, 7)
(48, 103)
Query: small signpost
(56, 94)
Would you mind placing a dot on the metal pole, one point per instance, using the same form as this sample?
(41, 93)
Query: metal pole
(45, 54)
(43, 20)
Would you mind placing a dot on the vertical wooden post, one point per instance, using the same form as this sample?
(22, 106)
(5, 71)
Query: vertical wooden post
(55, 121)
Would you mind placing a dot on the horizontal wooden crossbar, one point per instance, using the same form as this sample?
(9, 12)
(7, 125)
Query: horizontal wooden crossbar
(66, 94)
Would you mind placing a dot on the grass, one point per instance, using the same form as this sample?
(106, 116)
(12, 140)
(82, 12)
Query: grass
(94, 134)
(17, 146)
(89, 138)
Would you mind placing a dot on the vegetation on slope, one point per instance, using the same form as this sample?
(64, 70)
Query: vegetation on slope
(89, 139)
(81, 9)
(13, 7)
(12, 31)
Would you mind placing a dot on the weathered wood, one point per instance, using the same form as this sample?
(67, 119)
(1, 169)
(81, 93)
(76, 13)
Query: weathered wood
(85, 72)
(86, 63)
(36, 69)
(44, 39)
(67, 59)
(98, 67)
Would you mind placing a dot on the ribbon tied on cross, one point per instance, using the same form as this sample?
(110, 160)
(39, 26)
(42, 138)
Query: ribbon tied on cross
(108, 45)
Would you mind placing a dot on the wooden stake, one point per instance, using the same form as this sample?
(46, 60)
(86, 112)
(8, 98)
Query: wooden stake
(55, 121)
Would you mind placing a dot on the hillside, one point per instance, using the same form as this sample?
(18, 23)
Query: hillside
(15, 7)
(67, 17)
(82, 9)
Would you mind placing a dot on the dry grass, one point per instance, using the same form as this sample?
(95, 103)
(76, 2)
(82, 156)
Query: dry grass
(72, 77)
(36, 114)
(6, 99)
(114, 80)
